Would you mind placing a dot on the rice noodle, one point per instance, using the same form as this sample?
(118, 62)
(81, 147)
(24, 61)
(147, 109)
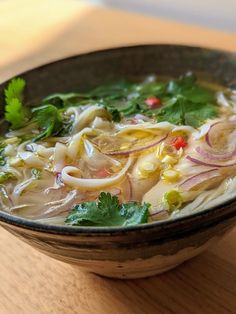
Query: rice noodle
(210, 198)
(19, 188)
(60, 154)
(75, 142)
(31, 159)
(87, 116)
(91, 184)
(26, 130)
(57, 207)
(46, 152)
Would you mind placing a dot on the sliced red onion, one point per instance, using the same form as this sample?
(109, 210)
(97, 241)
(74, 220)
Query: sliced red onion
(215, 127)
(209, 132)
(215, 156)
(195, 180)
(139, 149)
(200, 162)
(159, 214)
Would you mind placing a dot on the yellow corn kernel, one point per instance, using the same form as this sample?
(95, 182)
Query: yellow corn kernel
(169, 160)
(159, 150)
(15, 162)
(171, 175)
(164, 150)
(147, 168)
(11, 140)
(172, 200)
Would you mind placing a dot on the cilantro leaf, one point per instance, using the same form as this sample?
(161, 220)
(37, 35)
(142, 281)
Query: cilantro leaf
(115, 114)
(146, 90)
(107, 202)
(15, 113)
(199, 94)
(48, 119)
(112, 91)
(200, 114)
(108, 212)
(63, 100)
(15, 89)
(134, 213)
(173, 112)
(187, 87)
(128, 98)
(181, 111)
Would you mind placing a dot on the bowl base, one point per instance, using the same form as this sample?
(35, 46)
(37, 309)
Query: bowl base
(142, 268)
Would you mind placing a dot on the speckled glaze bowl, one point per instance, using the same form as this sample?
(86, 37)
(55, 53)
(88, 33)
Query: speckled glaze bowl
(139, 251)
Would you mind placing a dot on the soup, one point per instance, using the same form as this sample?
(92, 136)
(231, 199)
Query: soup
(121, 154)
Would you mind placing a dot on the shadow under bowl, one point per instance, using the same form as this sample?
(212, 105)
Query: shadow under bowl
(136, 251)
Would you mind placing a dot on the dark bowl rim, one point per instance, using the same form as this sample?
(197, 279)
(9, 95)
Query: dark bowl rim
(118, 47)
(63, 229)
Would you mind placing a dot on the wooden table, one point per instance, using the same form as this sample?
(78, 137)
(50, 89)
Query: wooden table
(35, 32)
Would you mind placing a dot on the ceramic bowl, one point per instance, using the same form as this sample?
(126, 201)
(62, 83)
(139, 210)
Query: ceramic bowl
(136, 251)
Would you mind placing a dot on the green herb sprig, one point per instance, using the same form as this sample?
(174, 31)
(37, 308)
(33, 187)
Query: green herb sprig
(15, 112)
(108, 212)
(183, 102)
(49, 120)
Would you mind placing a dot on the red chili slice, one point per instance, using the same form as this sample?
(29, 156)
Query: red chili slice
(179, 142)
(153, 102)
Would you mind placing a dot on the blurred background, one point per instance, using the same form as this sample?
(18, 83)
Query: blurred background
(211, 13)
(37, 32)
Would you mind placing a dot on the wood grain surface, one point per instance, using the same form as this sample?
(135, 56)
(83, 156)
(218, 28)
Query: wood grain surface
(35, 32)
